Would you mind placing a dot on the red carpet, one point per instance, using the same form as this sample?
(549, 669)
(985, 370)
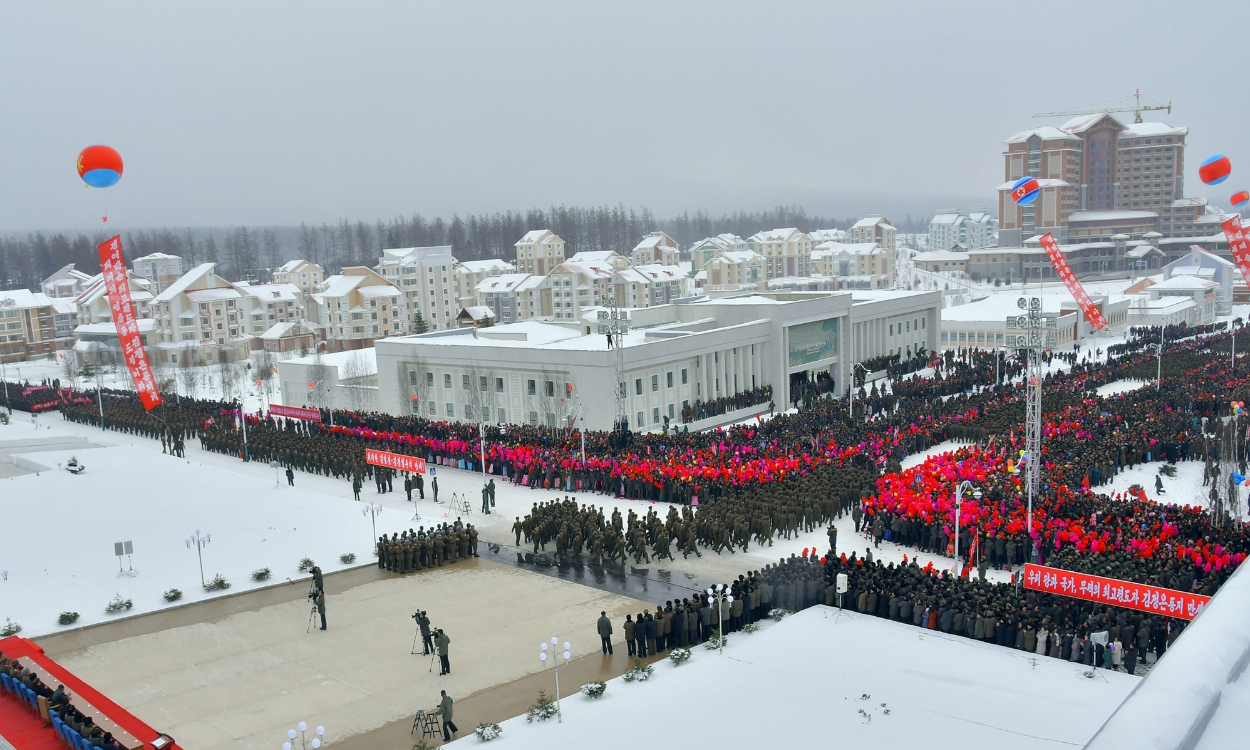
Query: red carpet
(22, 727)
(20, 648)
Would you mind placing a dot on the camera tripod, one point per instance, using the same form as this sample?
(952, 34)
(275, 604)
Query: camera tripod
(312, 615)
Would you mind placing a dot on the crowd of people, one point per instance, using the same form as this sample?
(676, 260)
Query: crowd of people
(59, 705)
(701, 409)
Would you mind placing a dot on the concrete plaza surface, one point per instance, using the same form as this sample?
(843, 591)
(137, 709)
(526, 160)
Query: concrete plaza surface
(242, 681)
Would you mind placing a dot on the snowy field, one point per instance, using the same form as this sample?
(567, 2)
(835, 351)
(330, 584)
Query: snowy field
(1121, 386)
(1183, 489)
(821, 675)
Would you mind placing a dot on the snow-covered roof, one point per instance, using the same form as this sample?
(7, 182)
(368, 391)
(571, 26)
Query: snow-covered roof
(532, 281)
(1142, 129)
(23, 298)
(109, 328)
(1043, 183)
(184, 281)
(1046, 133)
(872, 221)
(1079, 216)
(478, 312)
(593, 272)
(659, 272)
(776, 235)
(485, 266)
(1142, 251)
(212, 295)
(1184, 283)
(850, 248)
(534, 235)
(939, 255)
(829, 235)
(1084, 122)
(270, 292)
(504, 282)
(374, 291)
(338, 286)
(738, 256)
(158, 256)
(278, 330)
(595, 256)
(1183, 202)
(62, 306)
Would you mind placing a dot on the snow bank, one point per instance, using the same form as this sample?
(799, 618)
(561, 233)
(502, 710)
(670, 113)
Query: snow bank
(824, 674)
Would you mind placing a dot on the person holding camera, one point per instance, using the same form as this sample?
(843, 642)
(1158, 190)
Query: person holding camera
(442, 642)
(318, 582)
(423, 622)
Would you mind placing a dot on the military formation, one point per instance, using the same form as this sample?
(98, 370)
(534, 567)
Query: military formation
(411, 551)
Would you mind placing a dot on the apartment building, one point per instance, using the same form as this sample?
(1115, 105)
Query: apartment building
(876, 228)
(821, 236)
(706, 249)
(470, 273)
(656, 248)
(972, 231)
(786, 252)
(855, 265)
(92, 304)
(652, 284)
(66, 283)
(34, 325)
(735, 268)
(272, 304)
(359, 306)
(161, 268)
(601, 258)
(538, 252)
(515, 296)
(425, 275)
(578, 286)
(305, 275)
(202, 318)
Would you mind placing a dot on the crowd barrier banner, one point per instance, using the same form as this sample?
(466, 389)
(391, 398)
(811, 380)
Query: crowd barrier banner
(395, 461)
(113, 265)
(1088, 308)
(1153, 599)
(295, 412)
(1238, 243)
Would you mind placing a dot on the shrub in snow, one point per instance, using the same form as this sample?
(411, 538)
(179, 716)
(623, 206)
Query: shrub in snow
(776, 613)
(306, 565)
(67, 618)
(118, 604)
(715, 642)
(488, 732)
(544, 708)
(219, 583)
(1134, 489)
(10, 628)
(172, 595)
(423, 745)
(679, 656)
(750, 627)
(594, 689)
(348, 558)
(639, 672)
(261, 575)
(1168, 470)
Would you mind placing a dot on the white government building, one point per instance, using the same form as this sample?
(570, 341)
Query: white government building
(545, 372)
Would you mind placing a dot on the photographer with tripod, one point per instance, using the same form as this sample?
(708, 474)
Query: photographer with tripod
(318, 598)
(423, 629)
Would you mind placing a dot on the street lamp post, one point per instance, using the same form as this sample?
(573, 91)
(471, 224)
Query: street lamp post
(200, 541)
(720, 594)
(555, 662)
(373, 511)
(976, 493)
(304, 742)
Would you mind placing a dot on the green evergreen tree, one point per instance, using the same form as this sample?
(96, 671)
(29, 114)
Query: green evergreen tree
(419, 325)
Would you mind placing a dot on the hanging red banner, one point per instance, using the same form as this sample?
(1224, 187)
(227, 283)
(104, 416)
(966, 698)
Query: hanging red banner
(1239, 244)
(1088, 308)
(295, 412)
(1154, 599)
(113, 266)
(395, 461)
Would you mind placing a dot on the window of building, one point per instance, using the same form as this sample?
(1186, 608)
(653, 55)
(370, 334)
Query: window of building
(433, 408)
(468, 412)
(499, 388)
(531, 389)
(451, 410)
(638, 386)
(655, 415)
(550, 388)
(533, 417)
(683, 376)
(655, 383)
(641, 421)
(447, 380)
(464, 382)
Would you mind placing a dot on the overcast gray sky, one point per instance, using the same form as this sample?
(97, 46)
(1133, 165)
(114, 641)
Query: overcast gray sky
(281, 112)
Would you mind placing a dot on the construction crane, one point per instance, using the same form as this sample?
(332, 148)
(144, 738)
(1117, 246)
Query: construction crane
(1115, 105)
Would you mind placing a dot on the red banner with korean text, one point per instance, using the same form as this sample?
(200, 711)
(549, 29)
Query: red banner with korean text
(1088, 308)
(295, 412)
(1239, 244)
(1153, 599)
(113, 266)
(395, 461)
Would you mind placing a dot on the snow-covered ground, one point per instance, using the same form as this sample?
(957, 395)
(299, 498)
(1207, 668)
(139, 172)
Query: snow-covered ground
(1120, 386)
(824, 677)
(1183, 489)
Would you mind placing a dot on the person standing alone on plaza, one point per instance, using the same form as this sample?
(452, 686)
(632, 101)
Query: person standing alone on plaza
(442, 643)
(605, 633)
(445, 710)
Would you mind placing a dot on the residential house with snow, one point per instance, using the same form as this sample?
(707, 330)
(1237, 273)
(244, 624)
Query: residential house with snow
(709, 247)
(470, 273)
(786, 252)
(162, 269)
(656, 248)
(426, 277)
(876, 228)
(514, 296)
(66, 283)
(305, 275)
(538, 252)
(92, 304)
(652, 284)
(854, 265)
(359, 306)
(578, 286)
(34, 325)
(738, 268)
(202, 318)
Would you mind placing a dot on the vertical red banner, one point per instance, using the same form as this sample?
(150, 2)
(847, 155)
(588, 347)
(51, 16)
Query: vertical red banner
(1088, 308)
(1239, 244)
(113, 265)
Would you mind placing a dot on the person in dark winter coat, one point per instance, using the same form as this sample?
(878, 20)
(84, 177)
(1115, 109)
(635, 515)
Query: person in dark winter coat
(605, 633)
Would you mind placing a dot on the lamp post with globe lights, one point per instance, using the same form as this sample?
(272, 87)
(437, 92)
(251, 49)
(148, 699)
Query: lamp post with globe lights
(372, 511)
(720, 594)
(200, 541)
(304, 742)
(555, 662)
(976, 493)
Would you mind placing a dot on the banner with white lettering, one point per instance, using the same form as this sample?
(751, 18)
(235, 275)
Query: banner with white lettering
(1154, 599)
(1239, 244)
(1088, 308)
(395, 461)
(113, 265)
(295, 412)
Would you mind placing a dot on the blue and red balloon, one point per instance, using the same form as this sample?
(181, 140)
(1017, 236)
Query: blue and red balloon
(99, 166)
(1215, 170)
(1025, 191)
(1240, 199)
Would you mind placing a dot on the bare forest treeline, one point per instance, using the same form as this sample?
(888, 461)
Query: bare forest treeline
(251, 254)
